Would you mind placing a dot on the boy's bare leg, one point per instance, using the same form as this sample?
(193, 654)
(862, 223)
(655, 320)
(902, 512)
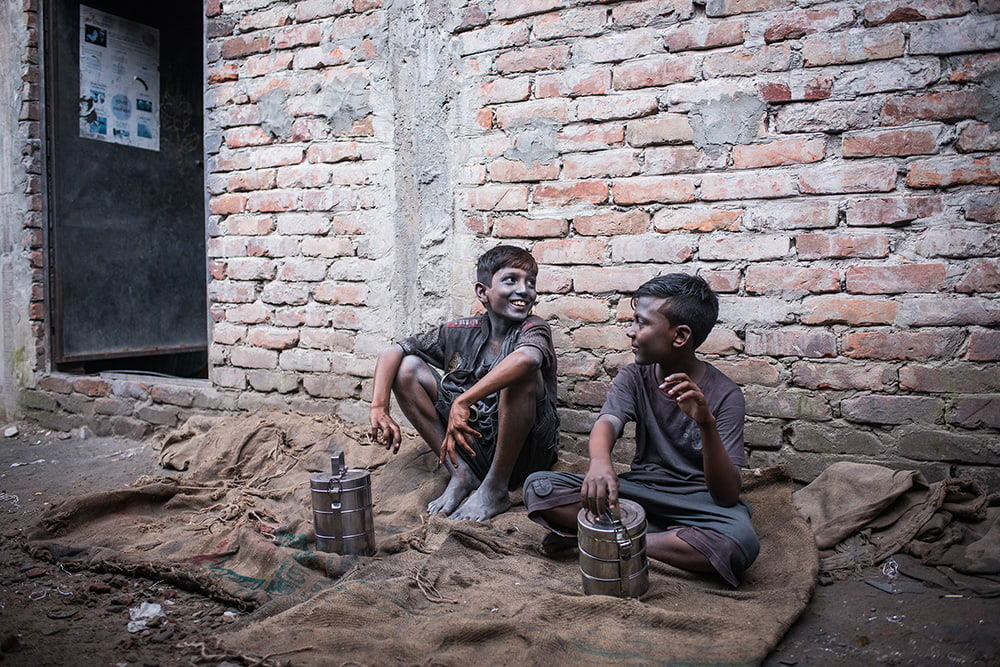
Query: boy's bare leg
(516, 416)
(416, 390)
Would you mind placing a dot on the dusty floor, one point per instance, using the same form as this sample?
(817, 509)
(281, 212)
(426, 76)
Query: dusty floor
(50, 615)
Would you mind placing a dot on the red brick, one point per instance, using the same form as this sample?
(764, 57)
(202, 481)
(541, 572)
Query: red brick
(974, 68)
(983, 208)
(570, 251)
(583, 22)
(298, 35)
(662, 129)
(516, 226)
(909, 141)
(327, 246)
(505, 90)
(273, 338)
(983, 345)
(573, 83)
(887, 212)
(601, 280)
(748, 61)
(269, 63)
(495, 36)
(826, 246)
(801, 22)
(227, 204)
(249, 225)
(256, 179)
(590, 393)
(748, 371)
(662, 249)
(519, 112)
(606, 223)
(496, 198)
(947, 106)
(807, 343)
(720, 341)
(221, 72)
(601, 338)
(244, 45)
(947, 171)
(91, 387)
(978, 137)
(739, 247)
(701, 219)
(895, 345)
(983, 277)
(602, 164)
(729, 7)
(722, 281)
(590, 137)
(977, 412)
(507, 171)
(828, 310)
(767, 278)
(901, 279)
(647, 189)
(554, 280)
(567, 193)
(574, 309)
(852, 47)
(654, 71)
(848, 178)
(341, 293)
(956, 378)
(533, 59)
(247, 135)
(272, 201)
(747, 185)
(650, 12)
(782, 151)
(518, 8)
(820, 375)
(678, 159)
(611, 107)
(807, 214)
(326, 152)
(704, 36)
(893, 11)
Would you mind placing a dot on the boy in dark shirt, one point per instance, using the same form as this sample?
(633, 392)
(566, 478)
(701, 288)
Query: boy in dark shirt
(491, 417)
(689, 441)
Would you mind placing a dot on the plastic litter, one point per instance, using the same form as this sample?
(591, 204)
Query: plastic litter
(142, 615)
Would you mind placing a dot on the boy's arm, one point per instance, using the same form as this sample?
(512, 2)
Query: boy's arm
(516, 366)
(600, 486)
(385, 430)
(721, 475)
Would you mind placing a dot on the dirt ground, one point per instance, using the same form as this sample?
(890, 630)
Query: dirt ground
(51, 615)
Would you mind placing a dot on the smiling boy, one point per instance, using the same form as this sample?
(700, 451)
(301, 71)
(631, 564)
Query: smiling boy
(689, 442)
(480, 391)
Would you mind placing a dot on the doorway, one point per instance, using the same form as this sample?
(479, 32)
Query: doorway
(125, 186)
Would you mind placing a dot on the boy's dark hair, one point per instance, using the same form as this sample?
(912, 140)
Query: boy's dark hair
(691, 302)
(501, 257)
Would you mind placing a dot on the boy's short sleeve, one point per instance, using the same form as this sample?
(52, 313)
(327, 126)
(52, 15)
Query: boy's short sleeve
(536, 333)
(428, 345)
(620, 401)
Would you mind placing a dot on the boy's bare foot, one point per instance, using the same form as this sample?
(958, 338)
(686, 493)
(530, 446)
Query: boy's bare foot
(483, 504)
(462, 483)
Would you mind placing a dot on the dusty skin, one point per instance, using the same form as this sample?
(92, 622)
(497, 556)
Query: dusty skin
(51, 615)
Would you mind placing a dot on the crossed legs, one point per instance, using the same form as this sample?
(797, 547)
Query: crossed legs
(467, 496)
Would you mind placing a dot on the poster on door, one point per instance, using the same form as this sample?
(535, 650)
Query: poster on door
(119, 80)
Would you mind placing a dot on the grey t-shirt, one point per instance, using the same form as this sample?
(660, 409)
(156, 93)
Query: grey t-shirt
(668, 442)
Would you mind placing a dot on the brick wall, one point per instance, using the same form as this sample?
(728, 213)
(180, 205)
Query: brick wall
(830, 167)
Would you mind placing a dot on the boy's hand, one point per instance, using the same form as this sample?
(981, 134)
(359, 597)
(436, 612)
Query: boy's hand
(385, 430)
(600, 487)
(458, 434)
(688, 395)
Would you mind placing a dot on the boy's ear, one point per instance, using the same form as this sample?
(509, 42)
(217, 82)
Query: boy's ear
(682, 334)
(481, 292)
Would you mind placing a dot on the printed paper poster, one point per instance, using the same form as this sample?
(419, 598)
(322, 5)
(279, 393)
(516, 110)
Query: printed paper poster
(119, 80)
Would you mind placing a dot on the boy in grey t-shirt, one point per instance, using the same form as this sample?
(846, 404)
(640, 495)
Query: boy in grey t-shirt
(689, 441)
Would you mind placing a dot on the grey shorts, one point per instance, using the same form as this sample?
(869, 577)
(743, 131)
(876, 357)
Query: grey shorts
(723, 534)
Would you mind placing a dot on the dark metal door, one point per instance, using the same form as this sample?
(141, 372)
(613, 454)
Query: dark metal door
(126, 237)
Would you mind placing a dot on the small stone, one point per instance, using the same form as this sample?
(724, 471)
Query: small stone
(35, 572)
(10, 432)
(100, 587)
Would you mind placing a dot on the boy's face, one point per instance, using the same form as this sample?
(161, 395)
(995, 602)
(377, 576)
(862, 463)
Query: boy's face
(654, 338)
(511, 294)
